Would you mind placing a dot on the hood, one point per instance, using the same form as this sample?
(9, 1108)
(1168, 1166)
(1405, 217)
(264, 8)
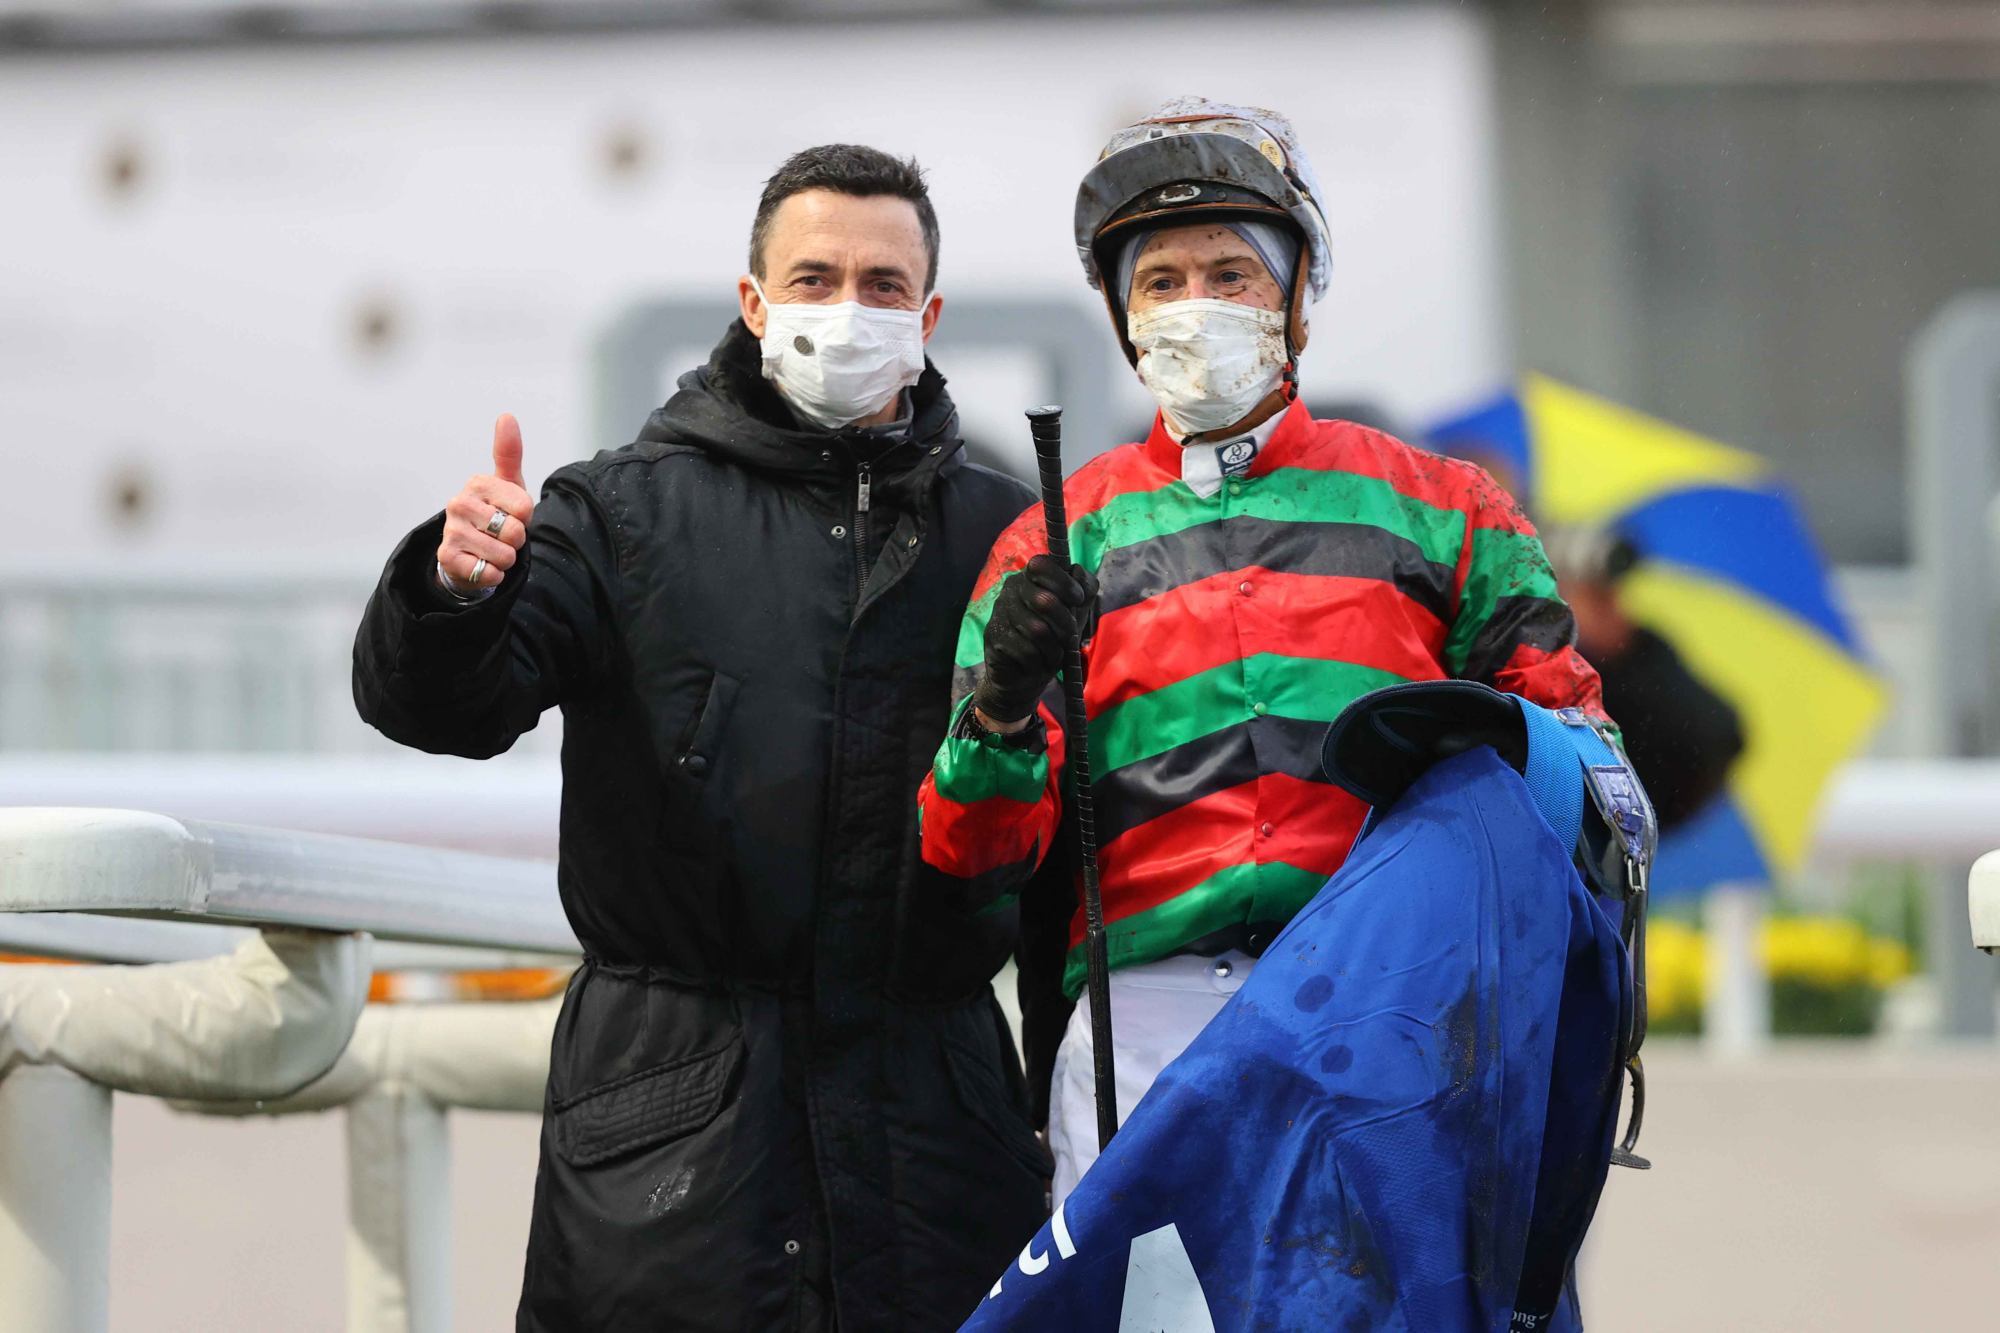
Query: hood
(729, 409)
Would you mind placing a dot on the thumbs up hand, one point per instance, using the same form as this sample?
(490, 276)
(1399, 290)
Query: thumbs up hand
(486, 523)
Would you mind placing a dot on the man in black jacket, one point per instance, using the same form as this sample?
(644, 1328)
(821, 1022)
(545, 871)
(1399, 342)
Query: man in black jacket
(781, 1094)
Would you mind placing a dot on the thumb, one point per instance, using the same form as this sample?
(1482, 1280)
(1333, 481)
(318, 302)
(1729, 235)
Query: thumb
(507, 449)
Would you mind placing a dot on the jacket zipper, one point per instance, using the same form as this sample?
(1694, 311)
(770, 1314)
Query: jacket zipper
(861, 502)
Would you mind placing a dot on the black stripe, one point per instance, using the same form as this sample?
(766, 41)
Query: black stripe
(1143, 791)
(1543, 623)
(990, 888)
(1132, 574)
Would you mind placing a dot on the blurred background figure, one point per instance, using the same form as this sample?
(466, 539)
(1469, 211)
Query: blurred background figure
(1683, 738)
(1702, 595)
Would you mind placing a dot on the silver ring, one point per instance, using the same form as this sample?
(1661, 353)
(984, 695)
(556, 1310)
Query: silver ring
(497, 522)
(478, 572)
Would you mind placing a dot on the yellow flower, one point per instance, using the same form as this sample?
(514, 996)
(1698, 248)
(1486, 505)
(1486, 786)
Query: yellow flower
(1888, 962)
(1676, 968)
(1828, 952)
(1822, 951)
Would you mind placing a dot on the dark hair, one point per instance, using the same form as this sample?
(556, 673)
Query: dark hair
(846, 168)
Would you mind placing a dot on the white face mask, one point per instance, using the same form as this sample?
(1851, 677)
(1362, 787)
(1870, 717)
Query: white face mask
(1208, 362)
(837, 363)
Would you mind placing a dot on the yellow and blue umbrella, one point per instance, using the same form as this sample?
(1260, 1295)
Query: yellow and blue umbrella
(1730, 576)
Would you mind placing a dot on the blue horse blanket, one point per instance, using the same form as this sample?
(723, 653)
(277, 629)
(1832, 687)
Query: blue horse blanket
(1401, 1122)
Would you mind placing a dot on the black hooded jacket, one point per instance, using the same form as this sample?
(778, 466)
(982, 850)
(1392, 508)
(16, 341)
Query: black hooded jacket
(780, 1082)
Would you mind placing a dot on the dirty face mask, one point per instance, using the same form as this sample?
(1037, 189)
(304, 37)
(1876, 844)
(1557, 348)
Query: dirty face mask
(837, 363)
(1208, 362)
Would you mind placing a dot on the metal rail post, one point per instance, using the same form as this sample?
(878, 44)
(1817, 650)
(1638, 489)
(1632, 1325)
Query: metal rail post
(398, 1213)
(407, 1068)
(1953, 385)
(275, 1025)
(55, 1201)
(1736, 1015)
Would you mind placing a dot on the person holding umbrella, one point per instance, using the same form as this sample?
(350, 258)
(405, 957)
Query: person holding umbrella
(1683, 738)
(1741, 668)
(1242, 575)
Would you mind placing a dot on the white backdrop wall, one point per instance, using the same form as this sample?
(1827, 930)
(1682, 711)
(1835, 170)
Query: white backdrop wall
(195, 335)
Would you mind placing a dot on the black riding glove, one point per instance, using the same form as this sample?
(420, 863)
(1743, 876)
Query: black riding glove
(1035, 616)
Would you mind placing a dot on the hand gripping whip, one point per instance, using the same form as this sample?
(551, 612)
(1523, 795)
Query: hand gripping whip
(1045, 423)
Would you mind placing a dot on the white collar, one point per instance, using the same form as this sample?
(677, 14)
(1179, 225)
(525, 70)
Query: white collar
(1203, 466)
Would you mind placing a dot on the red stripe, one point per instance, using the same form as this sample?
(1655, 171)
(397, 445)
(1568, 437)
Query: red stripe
(1125, 470)
(1313, 824)
(1443, 483)
(1343, 446)
(1561, 679)
(1018, 542)
(1169, 855)
(970, 840)
(1188, 629)
(1097, 483)
(1327, 446)
(1500, 511)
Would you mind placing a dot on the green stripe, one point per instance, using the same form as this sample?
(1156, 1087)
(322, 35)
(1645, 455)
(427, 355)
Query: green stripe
(1313, 689)
(1504, 564)
(968, 771)
(1284, 495)
(1310, 689)
(1235, 896)
(971, 650)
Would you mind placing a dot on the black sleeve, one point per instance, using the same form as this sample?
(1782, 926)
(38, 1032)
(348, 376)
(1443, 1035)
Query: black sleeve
(468, 680)
(1682, 737)
(1048, 903)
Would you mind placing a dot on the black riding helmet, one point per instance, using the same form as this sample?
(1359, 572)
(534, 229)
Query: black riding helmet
(1194, 160)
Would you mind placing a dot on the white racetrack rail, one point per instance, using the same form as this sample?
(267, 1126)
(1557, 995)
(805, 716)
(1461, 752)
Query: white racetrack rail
(1983, 901)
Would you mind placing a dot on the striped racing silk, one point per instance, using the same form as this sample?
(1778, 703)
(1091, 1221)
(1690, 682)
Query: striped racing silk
(1230, 630)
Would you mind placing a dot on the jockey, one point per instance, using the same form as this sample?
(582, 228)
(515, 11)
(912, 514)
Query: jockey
(1242, 575)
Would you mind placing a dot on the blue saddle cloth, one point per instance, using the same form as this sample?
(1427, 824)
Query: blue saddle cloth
(1401, 1122)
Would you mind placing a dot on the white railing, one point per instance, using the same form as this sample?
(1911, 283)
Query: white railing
(103, 655)
(1941, 812)
(506, 805)
(186, 655)
(1875, 808)
(1983, 902)
(256, 946)
(274, 1026)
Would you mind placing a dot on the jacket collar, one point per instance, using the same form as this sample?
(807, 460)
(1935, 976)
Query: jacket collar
(1276, 443)
(727, 408)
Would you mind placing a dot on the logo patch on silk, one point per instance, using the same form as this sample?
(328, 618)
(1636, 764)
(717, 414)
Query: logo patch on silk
(1234, 458)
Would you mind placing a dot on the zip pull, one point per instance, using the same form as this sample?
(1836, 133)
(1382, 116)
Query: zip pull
(861, 499)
